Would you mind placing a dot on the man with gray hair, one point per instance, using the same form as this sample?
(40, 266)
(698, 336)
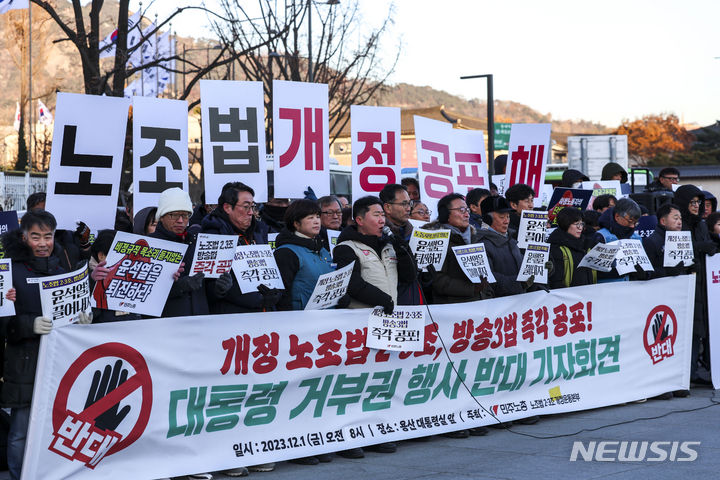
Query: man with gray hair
(618, 223)
(330, 217)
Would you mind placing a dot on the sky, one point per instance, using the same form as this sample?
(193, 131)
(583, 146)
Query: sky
(600, 61)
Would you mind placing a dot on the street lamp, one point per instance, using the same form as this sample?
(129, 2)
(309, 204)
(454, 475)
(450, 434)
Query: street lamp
(490, 119)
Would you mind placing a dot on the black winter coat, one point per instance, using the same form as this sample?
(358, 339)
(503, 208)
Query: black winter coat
(577, 247)
(505, 262)
(180, 304)
(21, 351)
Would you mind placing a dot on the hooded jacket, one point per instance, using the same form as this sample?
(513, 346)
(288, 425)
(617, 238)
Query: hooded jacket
(505, 261)
(218, 222)
(572, 176)
(612, 168)
(301, 261)
(713, 201)
(23, 344)
(566, 272)
(141, 219)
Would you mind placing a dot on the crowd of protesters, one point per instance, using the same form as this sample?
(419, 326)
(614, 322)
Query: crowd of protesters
(374, 233)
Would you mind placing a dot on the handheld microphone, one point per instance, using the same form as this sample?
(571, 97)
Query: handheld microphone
(387, 231)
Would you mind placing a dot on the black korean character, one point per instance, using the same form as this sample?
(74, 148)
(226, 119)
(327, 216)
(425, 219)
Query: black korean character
(69, 158)
(160, 150)
(236, 125)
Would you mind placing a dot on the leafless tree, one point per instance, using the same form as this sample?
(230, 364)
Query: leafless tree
(350, 62)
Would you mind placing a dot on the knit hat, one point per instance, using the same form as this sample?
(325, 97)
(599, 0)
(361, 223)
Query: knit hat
(173, 200)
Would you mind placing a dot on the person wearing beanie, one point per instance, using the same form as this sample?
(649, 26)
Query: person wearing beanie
(187, 295)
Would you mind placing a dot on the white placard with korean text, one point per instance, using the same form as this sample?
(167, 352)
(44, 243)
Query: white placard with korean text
(233, 136)
(141, 274)
(86, 160)
(499, 181)
(255, 265)
(330, 287)
(600, 257)
(429, 247)
(214, 254)
(533, 228)
(631, 253)
(7, 308)
(533, 263)
(469, 164)
(403, 330)
(300, 138)
(272, 237)
(435, 165)
(474, 262)
(678, 248)
(63, 297)
(375, 148)
(528, 151)
(160, 149)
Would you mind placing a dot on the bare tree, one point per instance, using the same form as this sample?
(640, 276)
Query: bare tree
(348, 61)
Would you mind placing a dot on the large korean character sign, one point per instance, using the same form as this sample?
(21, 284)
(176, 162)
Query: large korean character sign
(527, 156)
(469, 163)
(300, 138)
(160, 148)
(435, 164)
(375, 148)
(86, 159)
(233, 132)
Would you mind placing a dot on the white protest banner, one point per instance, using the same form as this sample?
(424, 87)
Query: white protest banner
(304, 379)
(533, 228)
(300, 138)
(630, 254)
(712, 287)
(255, 265)
(160, 148)
(272, 237)
(141, 274)
(429, 247)
(214, 254)
(233, 136)
(533, 263)
(600, 257)
(86, 160)
(417, 223)
(329, 288)
(64, 296)
(678, 248)
(403, 330)
(499, 181)
(474, 262)
(332, 239)
(375, 148)
(435, 166)
(546, 192)
(528, 151)
(604, 187)
(7, 308)
(469, 164)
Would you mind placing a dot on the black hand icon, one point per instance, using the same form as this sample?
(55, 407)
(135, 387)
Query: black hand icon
(103, 384)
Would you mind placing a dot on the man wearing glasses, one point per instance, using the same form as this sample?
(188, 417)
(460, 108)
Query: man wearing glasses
(668, 177)
(396, 205)
(187, 295)
(618, 223)
(330, 217)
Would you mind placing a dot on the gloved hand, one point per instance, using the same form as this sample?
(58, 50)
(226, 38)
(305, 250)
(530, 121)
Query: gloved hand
(529, 282)
(638, 268)
(42, 325)
(85, 318)
(82, 233)
(310, 194)
(189, 283)
(550, 267)
(708, 248)
(223, 285)
(271, 296)
(344, 301)
(100, 272)
(388, 306)
(426, 278)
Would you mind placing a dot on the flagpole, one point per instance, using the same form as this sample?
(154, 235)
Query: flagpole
(157, 70)
(30, 102)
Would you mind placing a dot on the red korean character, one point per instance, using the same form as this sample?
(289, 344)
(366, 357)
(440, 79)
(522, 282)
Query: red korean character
(510, 330)
(561, 320)
(355, 347)
(266, 349)
(469, 170)
(528, 327)
(302, 128)
(385, 173)
(299, 351)
(439, 173)
(430, 339)
(329, 342)
(577, 317)
(238, 349)
(541, 321)
(462, 332)
(527, 167)
(483, 336)
(382, 356)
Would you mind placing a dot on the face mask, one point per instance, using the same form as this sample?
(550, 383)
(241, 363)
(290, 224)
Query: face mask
(577, 185)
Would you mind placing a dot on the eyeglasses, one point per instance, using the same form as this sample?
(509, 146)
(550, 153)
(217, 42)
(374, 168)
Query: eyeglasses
(248, 207)
(694, 202)
(579, 224)
(333, 213)
(462, 210)
(174, 216)
(631, 222)
(404, 204)
(423, 212)
(672, 179)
